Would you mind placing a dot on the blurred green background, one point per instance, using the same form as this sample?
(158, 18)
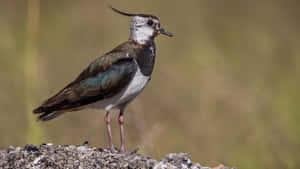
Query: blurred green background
(225, 89)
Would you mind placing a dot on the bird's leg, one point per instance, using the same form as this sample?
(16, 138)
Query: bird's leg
(107, 121)
(121, 123)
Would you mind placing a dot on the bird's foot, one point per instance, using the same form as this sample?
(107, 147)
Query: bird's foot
(129, 152)
(113, 150)
(122, 149)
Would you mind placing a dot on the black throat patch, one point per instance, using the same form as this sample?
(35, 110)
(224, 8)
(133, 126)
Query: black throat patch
(145, 58)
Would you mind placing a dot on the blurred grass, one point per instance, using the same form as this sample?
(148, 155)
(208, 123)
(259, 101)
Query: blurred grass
(34, 132)
(225, 89)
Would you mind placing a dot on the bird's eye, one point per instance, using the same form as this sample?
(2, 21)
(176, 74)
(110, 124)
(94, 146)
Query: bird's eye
(150, 22)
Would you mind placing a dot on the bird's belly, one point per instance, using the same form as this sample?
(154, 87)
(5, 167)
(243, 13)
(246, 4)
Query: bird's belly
(137, 84)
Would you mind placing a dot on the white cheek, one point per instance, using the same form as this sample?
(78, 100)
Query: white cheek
(140, 31)
(143, 34)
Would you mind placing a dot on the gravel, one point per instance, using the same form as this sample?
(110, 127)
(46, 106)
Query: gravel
(48, 156)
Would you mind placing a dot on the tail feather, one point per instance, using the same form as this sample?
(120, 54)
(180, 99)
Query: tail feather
(39, 110)
(46, 116)
(56, 105)
(46, 113)
(49, 113)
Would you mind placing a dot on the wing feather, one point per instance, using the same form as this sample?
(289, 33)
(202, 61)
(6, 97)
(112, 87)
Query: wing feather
(103, 78)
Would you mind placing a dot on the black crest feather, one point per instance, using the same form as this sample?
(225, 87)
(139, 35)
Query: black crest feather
(120, 12)
(130, 14)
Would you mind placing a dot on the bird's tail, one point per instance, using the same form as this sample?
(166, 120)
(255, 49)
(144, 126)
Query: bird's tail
(46, 115)
(56, 105)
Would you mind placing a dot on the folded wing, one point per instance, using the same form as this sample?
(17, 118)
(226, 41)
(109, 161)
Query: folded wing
(103, 78)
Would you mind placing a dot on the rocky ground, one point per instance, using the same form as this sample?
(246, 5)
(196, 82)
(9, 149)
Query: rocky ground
(48, 156)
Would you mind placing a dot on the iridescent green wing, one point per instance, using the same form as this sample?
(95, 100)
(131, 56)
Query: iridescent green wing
(103, 78)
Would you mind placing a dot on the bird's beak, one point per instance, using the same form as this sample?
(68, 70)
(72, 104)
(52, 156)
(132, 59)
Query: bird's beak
(165, 32)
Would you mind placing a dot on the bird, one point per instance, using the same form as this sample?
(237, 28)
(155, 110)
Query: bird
(112, 80)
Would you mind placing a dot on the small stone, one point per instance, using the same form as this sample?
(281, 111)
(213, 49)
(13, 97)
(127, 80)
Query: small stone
(81, 148)
(31, 148)
(18, 148)
(196, 166)
(85, 143)
(10, 148)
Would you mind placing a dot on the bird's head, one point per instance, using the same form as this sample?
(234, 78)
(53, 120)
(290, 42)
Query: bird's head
(144, 27)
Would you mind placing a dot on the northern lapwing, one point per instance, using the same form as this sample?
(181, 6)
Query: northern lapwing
(112, 80)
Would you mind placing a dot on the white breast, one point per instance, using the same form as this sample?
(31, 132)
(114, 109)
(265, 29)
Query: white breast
(137, 84)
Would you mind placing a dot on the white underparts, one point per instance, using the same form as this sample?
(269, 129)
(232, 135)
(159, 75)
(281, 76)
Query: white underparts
(136, 85)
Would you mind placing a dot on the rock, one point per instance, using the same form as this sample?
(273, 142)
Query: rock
(30, 147)
(49, 156)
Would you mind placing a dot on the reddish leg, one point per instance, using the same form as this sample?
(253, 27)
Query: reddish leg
(107, 121)
(121, 123)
